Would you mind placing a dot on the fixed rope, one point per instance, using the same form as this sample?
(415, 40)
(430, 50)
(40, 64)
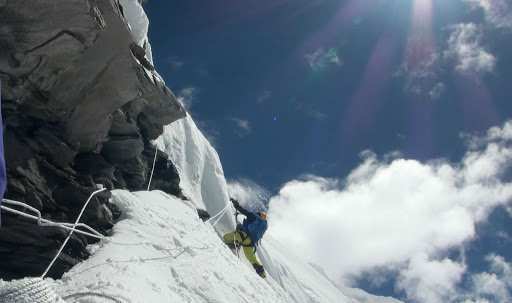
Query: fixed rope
(67, 226)
(35, 289)
(44, 222)
(71, 232)
(153, 169)
(219, 214)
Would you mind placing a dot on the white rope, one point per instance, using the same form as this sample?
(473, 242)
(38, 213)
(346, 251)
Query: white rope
(70, 227)
(44, 222)
(67, 226)
(35, 288)
(95, 294)
(223, 211)
(29, 290)
(71, 232)
(219, 213)
(217, 221)
(153, 169)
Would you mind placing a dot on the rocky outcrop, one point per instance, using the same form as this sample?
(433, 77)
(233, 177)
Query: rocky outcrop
(80, 104)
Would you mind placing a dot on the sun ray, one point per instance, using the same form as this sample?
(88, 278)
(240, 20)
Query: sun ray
(367, 100)
(420, 43)
(420, 66)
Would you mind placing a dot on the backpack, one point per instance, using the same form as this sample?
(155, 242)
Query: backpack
(255, 229)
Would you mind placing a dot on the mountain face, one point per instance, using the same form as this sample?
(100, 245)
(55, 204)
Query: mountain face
(80, 104)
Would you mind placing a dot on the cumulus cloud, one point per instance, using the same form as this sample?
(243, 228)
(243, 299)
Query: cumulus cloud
(187, 97)
(321, 59)
(425, 280)
(397, 214)
(494, 134)
(465, 47)
(497, 282)
(243, 127)
(497, 12)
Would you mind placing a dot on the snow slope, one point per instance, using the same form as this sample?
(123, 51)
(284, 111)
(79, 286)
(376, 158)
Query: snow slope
(175, 257)
(160, 251)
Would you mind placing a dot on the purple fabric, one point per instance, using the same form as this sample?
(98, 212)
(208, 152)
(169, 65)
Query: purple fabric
(3, 174)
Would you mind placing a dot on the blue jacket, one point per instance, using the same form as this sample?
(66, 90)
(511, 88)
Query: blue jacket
(250, 219)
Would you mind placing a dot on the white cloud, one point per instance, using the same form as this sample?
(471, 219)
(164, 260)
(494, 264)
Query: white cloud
(430, 281)
(498, 133)
(497, 12)
(187, 97)
(321, 59)
(435, 93)
(464, 46)
(399, 214)
(494, 134)
(310, 111)
(497, 282)
(491, 285)
(243, 127)
(176, 63)
(202, 71)
(420, 76)
(264, 96)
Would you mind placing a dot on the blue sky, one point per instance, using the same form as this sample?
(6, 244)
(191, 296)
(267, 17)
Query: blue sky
(313, 91)
(307, 85)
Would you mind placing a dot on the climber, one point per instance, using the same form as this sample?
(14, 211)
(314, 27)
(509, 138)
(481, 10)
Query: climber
(248, 234)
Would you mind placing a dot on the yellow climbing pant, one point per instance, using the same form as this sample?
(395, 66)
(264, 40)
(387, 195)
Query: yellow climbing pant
(248, 250)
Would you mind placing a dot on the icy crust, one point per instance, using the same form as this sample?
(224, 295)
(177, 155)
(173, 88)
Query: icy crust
(199, 167)
(175, 257)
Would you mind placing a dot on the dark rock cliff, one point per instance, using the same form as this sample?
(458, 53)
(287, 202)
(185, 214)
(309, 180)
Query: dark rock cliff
(80, 104)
